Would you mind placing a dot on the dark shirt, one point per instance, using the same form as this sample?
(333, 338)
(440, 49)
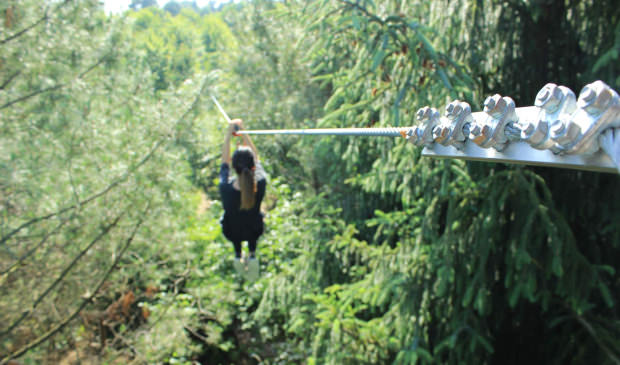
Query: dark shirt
(241, 224)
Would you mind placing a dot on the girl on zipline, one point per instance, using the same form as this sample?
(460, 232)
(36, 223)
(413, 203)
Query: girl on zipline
(241, 197)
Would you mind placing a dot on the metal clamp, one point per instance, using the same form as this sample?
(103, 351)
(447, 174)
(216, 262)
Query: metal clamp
(555, 103)
(422, 134)
(566, 131)
(490, 132)
(453, 129)
(598, 108)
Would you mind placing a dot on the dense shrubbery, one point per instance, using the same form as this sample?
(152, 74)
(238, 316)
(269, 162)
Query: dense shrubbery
(372, 253)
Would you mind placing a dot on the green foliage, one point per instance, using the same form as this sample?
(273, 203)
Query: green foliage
(467, 261)
(179, 46)
(372, 254)
(89, 166)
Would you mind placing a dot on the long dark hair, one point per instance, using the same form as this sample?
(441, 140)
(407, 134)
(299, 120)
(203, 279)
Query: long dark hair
(243, 163)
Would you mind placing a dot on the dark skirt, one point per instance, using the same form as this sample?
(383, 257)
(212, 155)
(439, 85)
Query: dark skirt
(239, 230)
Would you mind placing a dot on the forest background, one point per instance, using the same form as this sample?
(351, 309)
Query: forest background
(110, 246)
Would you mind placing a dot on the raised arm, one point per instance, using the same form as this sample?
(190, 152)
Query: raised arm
(227, 137)
(248, 141)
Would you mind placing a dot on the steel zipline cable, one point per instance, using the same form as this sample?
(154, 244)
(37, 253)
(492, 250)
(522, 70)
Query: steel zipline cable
(369, 132)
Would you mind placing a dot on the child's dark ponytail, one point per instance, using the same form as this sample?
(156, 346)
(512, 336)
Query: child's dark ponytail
(244, 165)
(247, 184)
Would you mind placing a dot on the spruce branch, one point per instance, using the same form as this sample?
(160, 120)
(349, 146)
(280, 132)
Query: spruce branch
(35, 248)
(62, 275)
(85, 301)
(364, 10)
(196, 334)
(81, 75)
(32, 94)
(116, 182)
(25, 30)
(42, 19)
(9, 79)
(590, 329)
